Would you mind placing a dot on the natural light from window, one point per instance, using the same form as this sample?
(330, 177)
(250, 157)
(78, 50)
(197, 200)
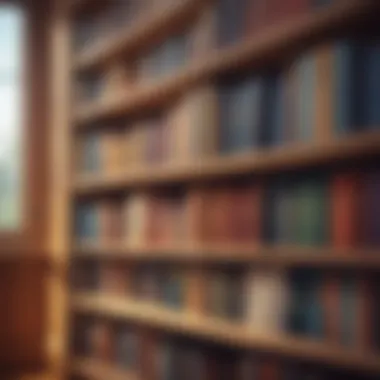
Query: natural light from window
(11, 37)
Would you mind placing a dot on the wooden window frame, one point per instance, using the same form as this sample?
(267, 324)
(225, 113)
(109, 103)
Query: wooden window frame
(30, 237)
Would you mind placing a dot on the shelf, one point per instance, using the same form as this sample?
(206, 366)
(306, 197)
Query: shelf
(149, 29)
(93, 369)
(224, 332)
(263, 161)
(229, 253)
(268, 45)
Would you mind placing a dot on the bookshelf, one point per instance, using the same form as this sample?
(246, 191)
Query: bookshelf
(222, 332)
(173, 192)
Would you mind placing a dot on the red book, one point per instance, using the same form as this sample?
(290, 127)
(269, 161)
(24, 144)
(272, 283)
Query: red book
(156, 220)
(245, 217)
(111, 221)
(345, 210)
(102, 341)
(269, 370)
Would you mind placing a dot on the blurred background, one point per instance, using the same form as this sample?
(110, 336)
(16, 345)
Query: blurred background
(189, 189)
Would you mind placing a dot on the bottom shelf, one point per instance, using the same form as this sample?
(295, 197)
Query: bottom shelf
(225, 333)
(93, 369)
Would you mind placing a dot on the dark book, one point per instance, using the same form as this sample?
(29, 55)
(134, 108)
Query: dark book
(306, 315)
(241, 114)
(172, 288)
(231, 21)
(127, 348)
(371, 209)
(90, 154)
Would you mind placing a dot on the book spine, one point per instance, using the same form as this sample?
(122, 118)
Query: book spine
(345, 210)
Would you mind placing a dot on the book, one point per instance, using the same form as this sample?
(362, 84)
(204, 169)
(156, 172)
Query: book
(102, 347)
(86, 222)
(306, 102)
(370, 204)
(345, 210)
(324, 93)
(136, 213)
(306, 316)
(331, 300)
(127, 348)
(89, 153)
(311, 212)
(194, 126)
(147, 283)
(113, 278)
(173, 288)
(85, 276)
(111, 221)
(135, 146)
(196, 216)
(231, 21)
(203, 37)
(246, 213)
(240, 114)
(267, 300)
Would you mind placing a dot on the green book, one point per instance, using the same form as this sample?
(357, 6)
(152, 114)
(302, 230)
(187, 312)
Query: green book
(311, 212)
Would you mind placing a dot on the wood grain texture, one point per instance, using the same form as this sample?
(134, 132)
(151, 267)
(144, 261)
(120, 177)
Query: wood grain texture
(266, 47)
(94, 370)
(225, 333)
(261, 161)
(288, 256)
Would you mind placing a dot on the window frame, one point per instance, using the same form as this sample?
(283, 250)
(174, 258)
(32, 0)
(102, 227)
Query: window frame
(30, 236)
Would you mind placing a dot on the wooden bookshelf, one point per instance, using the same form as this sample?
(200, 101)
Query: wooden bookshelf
(264, 161)
(144, 32)
(273, 46)
(285, 256)
(269, 45)
(94, 370)
(224, 332)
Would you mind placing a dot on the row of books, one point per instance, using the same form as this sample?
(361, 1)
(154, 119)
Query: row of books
(330, 91)
(339, 210)
(339, 308)
(164, 357)
(111, 19)
(227, 21)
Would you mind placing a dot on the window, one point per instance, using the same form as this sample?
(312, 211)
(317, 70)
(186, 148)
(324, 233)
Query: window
(11, 65)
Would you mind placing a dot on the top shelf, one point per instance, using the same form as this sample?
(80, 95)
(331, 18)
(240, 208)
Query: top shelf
(274, 42)
(147, 30)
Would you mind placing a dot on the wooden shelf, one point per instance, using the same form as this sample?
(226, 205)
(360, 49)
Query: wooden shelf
(149, 29)
(263, 161)
(93, 369)
(229, 253)
(268, 45)
(224, 332)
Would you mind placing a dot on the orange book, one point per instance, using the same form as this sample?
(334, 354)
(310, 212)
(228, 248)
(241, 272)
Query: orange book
(345, 210)
(195, 285)
(136, 214)
(120, 79)
(324, 56)
(112, 152)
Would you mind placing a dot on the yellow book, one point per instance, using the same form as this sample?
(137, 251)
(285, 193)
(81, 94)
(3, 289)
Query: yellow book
(113, 152)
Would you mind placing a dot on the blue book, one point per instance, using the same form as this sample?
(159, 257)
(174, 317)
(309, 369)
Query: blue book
(272, 121)
(351, 86)
(349, 309)
(240, 114)
(306, 310)
(86, 222)
(373, 71)
(91, 153)
(245, 116)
